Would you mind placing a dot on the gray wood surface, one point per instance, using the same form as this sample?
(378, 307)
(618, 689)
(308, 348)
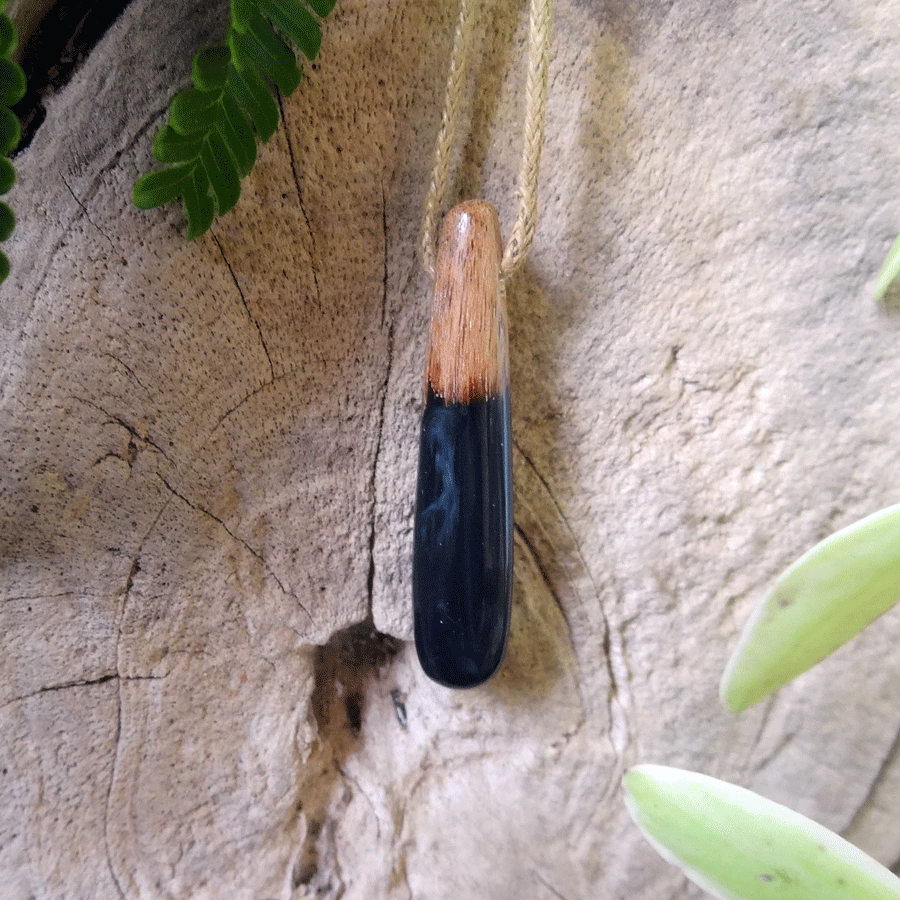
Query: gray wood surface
(207, 458)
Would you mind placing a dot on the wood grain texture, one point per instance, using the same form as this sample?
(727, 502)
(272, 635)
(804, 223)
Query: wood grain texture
(207, 458)
(468, 354)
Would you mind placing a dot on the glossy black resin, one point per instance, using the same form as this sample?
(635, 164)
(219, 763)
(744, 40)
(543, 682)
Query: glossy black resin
(462, 547)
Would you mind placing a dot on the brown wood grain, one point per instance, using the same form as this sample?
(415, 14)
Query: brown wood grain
(468, 356)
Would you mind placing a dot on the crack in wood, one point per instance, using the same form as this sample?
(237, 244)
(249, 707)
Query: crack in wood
(85, 212)
(615, 690)
(35, 598)
(126, 593)
(115, 419)
(886, 763)
(383, 390)
(760, 731)
(785, 741)
(355, 782)
(384, 259)
(250, 316)
(126, 367)
(255, 553)
(112, 780)
(117, 747)
(551, 588)
(50, 257)
(548, 581)
(84, 682)
(243, 400)
(309, 229)
(547, 885)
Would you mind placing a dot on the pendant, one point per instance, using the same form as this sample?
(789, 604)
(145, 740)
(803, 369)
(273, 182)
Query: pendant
(462, 544)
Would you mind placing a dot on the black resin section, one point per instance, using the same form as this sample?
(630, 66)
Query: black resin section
(462, 546)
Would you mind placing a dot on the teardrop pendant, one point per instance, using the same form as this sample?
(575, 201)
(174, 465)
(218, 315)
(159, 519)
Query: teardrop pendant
(462, 544)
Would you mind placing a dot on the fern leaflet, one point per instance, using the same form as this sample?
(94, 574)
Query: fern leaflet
(209, 142)
(12, 89)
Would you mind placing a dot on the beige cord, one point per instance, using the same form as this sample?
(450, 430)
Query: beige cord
(533, 134)
(456, 79)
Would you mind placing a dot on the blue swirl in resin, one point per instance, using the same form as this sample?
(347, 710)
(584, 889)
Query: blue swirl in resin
(462, 545)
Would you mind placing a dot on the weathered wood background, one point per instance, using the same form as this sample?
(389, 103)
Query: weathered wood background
(207, 457)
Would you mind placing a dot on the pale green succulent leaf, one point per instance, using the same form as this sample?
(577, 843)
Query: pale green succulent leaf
(889, 270)
(825, 598)
(738, 845)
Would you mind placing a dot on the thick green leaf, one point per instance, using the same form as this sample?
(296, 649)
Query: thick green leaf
(10, 131)
(169, 146)
(222, 172)
(12, 82)
(12, 89)
(7, 175)
(740, 846)
(826, 597)
(192, 110)
(7, 221)
(7, 35)
(210, 68)
(242, 11)
(269, 54)
(198, 204)
(238, 134)
(239, 58)
(889, 270)
(322, 7)
(249, 91)
(293, 18)
(161, 186)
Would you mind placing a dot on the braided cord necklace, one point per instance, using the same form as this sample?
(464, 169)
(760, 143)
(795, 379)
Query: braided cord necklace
(533, 133)
(463, 526)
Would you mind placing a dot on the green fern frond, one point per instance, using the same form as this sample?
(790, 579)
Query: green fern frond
(12, 89)
(209, 142)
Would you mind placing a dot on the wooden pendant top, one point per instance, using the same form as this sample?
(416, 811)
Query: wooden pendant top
(467, 348)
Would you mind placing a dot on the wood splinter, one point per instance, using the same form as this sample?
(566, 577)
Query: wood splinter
(462, 545)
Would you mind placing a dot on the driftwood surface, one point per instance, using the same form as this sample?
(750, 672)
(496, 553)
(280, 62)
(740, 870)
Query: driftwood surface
(207, 457)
